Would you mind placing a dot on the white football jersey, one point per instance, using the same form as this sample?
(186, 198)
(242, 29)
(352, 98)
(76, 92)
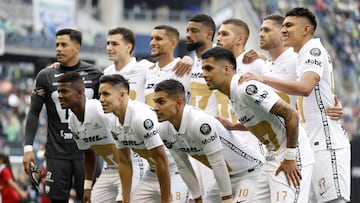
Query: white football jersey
(94, 132)
(156, 74)
(211, 101)
(135, 74)
(283, 68)
(201, 134)
(324, 132)
(139, 131)
(256, 66)
(252, 102)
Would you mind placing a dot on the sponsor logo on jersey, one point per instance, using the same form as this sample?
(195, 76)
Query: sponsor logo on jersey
(261, 97)
(82, 73)
(205, 129)
(87, 81)
(270, 158)
(251, 90)
(114, 135)
(315, 52)
(189, 149)
(196, 75)
(56, 75)
(313, 61)
(131, 143)
(94, 138)
(209, 139)
(96, 126)
(150, 86)
(168, 144)
(150, 134)
(148, 124)
(245, 119)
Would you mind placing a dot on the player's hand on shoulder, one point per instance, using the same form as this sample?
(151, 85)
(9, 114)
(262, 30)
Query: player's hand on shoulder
(335, 112)
(54, 65)
(252, 55)
(250, 76)
(183, 67)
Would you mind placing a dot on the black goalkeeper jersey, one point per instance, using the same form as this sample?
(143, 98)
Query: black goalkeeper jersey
(60, 143)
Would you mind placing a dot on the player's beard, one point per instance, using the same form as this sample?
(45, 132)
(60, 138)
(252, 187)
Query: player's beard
(194, 46)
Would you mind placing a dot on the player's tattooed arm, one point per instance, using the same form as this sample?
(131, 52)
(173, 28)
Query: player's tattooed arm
(289, 165)
(291, 119)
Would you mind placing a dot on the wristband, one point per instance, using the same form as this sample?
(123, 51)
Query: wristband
(227, 200)
(290, 154)
(28, 148)
(87, 184)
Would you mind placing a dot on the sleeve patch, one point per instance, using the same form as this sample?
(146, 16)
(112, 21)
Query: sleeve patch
(251, 89)
(315, 52)
(205, 129)
(148, 124)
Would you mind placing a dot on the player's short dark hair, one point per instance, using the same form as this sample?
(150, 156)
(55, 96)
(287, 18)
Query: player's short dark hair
(74, 78)
(116, 80)
(127, 34)
(172, 87)
(205, 20)
(171, 31)
(220, 53)
(305, 13)
(279, 19)
(74, 35)
(239, 23)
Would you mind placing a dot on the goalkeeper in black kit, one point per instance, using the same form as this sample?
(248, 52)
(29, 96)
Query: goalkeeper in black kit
(64, 160)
